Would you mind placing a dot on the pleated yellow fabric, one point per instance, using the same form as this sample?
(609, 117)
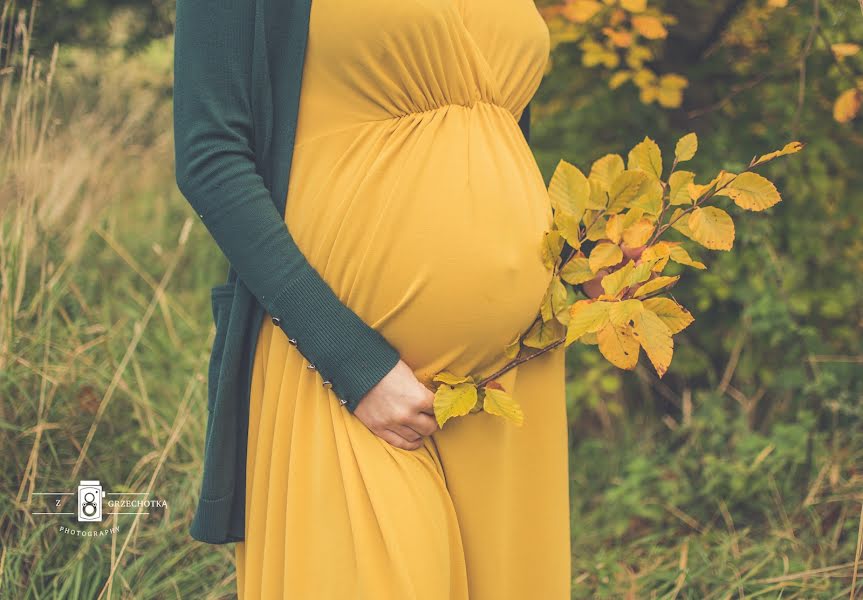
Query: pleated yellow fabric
(415, 195)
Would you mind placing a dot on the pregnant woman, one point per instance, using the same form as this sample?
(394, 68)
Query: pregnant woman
(415, 197)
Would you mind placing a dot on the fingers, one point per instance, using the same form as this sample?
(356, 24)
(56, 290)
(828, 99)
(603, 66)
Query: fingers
(405, 431)
(398, 441)
(423, 424)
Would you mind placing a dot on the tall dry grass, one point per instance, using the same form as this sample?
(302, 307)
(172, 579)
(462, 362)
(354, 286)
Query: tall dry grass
(103, 337)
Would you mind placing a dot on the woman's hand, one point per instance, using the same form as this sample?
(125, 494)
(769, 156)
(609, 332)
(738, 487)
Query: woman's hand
(593, 288)
(399, 409)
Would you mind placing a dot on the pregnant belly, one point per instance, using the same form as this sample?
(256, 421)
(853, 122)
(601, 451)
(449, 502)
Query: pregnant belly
(429, 226)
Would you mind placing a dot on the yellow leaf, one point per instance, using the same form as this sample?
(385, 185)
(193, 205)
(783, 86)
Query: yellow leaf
(513, 348)
(589, 338)
(646, 156)
(552, 244)
(451, 378)
(501, 403)
(777, 3)
(604, 254)
(655, 284)
(605, 170)
(618, 345)
(842, 50)
(712, 228)
(637, 234)
(568, 189)
(655, 337)
(625, 188)
(678, 254)
(637, 55)
(598, 196)
(680, 222)
(722, 179)
(675, 316)
(669, 97)
(678, 183)
(644, 77)
(616, 282)
(621, 313)
(596, 231)
(650, 198)
(650, 27)
(751, 191)
(581, 11)
(453, 401)
(635, 6)
(586, 316)
(543, 333)
(686, 147)
(568, 226)
(618, 37)
(789, 148)
(614, 227)
(554, 302)
(618, 79)
(576, 270)
(847, 105)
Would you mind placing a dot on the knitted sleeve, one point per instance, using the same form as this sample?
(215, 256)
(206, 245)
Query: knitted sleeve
(216, 173)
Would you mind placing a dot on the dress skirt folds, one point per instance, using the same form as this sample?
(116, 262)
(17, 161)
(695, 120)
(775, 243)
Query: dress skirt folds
(416, 197)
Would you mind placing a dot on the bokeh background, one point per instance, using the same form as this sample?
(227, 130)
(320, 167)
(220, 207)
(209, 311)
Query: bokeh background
(737, 474)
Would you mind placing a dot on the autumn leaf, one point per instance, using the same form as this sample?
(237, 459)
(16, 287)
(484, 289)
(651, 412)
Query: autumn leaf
(789, 148)
(568, 226)
(501, 403)
(678, 254)
(543, 333)
(604, 254)
(568, 189)
(686, 147)
(552, 244)
(554, 303)
(576, 270)
(634, 6)
(621, 313)
(655, 284)
(675, 317)
(618, 344)
(847, 105)
(751, 191)
(512, 349)
(646, 156)
(628, 186)
(712, 228)
(655, 337)
(606, 169)
(614, 283)
(678, 183)
(451, 378)
(842, 50)
(453, 401)
(586, 316)
(650, 27)
(638, 233)
(581, 11)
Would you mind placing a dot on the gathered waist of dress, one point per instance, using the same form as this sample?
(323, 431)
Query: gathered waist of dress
(314, 136)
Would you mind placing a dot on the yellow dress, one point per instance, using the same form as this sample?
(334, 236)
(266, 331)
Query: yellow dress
(415, 195)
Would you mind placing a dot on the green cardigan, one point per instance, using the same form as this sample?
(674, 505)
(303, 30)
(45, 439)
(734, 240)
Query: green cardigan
(237, 75)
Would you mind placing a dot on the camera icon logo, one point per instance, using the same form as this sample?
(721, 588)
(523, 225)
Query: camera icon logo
(90, 496)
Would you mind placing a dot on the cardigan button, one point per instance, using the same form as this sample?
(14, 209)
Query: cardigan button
(292, 341)
(342, 401)
(276, 320)
(327, 383)
(311, 366)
